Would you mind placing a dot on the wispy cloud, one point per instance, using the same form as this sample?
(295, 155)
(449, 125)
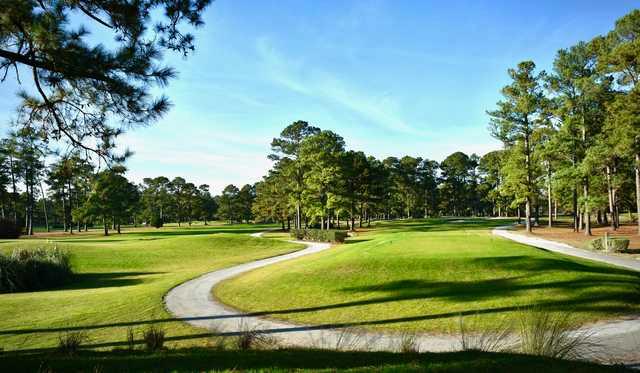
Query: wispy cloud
(306, 79)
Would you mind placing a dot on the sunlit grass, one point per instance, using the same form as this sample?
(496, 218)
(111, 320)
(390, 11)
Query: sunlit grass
(121, 280)
(422, 275)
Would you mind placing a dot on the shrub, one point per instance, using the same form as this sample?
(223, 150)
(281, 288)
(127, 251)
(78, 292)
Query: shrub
(156, 221)
(615, 244)
(28, 270)
(9, 229)
(69, 343)
(153, 337)
(320, 235)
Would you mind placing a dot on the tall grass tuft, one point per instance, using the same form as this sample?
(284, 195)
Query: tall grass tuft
(131, 339)
(153, 337)
(551, 334)
(251, 339)
(69, 343)
(28, 270)
(408, 343)
(495, 338)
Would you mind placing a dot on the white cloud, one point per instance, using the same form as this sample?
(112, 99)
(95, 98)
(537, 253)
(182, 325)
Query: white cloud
(301, 78)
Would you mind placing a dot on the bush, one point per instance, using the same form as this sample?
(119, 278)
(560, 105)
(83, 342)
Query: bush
(28, 270)
(153, 338)
(9, 229)
(616, 244)
(156, 221)
(320, 235)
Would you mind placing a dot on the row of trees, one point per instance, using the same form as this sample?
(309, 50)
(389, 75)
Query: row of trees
(315, 181)
(72, 193)
(572, 135)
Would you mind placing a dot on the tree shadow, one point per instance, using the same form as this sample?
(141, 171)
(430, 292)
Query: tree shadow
(83, 281)
(290, 359)
(440, 224)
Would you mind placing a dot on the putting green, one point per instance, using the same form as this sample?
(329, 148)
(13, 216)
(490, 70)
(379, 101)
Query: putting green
(422, 275)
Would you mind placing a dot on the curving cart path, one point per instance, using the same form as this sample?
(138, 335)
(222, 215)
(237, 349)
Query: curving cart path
(193, 302)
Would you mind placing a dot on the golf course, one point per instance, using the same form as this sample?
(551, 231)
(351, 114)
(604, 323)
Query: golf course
(119, 283)
(303, 186)
(422, 276)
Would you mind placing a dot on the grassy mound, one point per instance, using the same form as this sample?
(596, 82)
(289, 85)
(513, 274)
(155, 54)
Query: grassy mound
(421, 276)
(120, 281)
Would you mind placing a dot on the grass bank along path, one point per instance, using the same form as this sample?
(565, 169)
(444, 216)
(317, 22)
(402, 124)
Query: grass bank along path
(194, 302)
(617, 335)
(120, 283)
(407, 276)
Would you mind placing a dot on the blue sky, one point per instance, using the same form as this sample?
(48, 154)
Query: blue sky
(391, 77)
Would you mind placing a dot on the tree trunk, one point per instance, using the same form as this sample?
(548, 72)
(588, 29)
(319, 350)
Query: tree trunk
(587, 208)
(529, 181)
(64, 211)
(106, 226)
(611, 196)
(576, 223)
(30, 203)
(119, 228)
(70, 209)
(14, 197)
(637, 168)
(549, 200)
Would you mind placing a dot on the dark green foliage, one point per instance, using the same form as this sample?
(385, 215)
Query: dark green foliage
(81, 86)
(153, 338)
(615, 244)
(319, 235)
(9, 229)
(156, 221)
(28, 270)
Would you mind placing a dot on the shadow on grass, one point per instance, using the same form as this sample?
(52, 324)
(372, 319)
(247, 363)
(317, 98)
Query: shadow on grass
(610, 302)
(293, 360)
(440, 225)
(106, 280)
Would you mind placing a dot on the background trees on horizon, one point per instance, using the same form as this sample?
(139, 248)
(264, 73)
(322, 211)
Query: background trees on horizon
(572, 135)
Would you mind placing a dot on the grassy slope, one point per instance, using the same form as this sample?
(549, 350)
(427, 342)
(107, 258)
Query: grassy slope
(420, 276)
(296, 360)
(121, 281)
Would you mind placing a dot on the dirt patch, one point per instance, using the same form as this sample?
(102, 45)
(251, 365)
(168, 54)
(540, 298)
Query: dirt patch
(564, 233)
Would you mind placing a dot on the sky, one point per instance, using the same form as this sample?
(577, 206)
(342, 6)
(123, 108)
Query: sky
(394, 78)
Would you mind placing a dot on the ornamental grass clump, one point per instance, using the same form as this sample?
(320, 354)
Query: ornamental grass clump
(552, 334)
(612, 244)
(36, 269)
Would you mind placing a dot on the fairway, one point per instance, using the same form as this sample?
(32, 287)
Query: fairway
(422, 275)
(121, 281)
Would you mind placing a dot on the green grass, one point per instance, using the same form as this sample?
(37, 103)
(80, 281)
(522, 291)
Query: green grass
(199, 360)
(120, 282)
(420, 276)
